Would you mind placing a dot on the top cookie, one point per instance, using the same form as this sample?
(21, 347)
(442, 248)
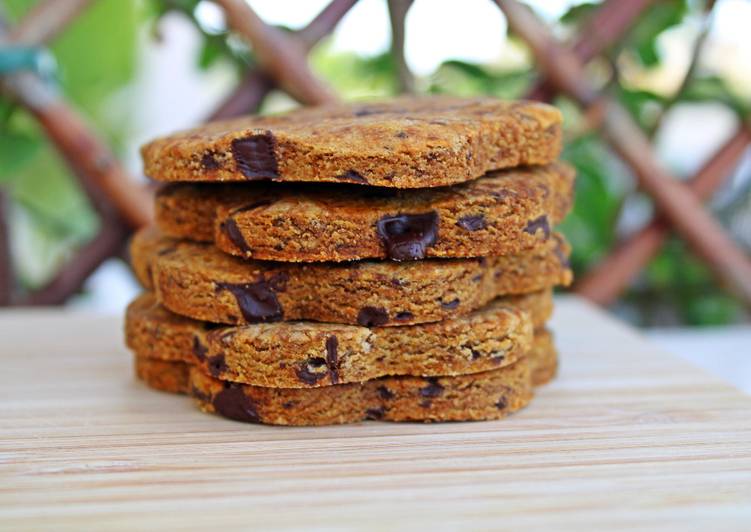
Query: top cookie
(403, 143)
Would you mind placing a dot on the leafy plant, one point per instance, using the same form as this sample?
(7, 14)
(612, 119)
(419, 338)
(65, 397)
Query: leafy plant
(96, 57)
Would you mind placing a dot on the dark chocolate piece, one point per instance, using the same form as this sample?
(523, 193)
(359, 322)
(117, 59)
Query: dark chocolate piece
(255, 157)
(232, 403)
(209, 162)
(372, 317)
(472, 223)
(309, 377)
(332, 358)
(229, 227)
(450, 305)
(375, 413)
(407, 236)
(433, 389)
(540, 222)
(217, 365)
(385, 393)
(257, 301)
(199, 350)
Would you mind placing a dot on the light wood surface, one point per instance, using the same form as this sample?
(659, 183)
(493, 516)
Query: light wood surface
(626, 437)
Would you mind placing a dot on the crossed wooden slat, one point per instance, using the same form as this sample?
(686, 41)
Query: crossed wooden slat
(675, 201)
(124, 204)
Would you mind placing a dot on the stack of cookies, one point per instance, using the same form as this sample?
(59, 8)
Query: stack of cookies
(390, 261)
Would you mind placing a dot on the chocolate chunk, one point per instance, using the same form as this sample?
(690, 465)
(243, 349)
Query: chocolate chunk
(257, 301)
(372, 317)
(307, 371)
(405, 315)
(255, 156)
(402, 135)
(502, 403)
(217, 365)
(332, 358)
(450, 305)
(385, 393)
(407, 236)
(472, 223)
(209, 162)
(433, 389)
(375, 413)
(353, 176)
(475, 353)
(229, 228)
(232, 403)
(199, 350)
(540, 222)
(288, 404)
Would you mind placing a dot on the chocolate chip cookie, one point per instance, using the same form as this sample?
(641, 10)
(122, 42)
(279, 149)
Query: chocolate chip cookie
(403, 143)
(198, 281)
(308, 354)
(480, 396)
(506, 212)
(173, 375)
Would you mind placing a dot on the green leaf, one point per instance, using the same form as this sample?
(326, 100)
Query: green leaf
(579, 13)
(467, 79)
(211, 51)
(642, 38)
(714, 89)
(16, 151)
(96, 53)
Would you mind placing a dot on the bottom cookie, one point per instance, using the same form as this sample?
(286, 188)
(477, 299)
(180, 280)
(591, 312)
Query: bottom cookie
(479, 396)
(486, 395)
(164, 375)
(543, 357)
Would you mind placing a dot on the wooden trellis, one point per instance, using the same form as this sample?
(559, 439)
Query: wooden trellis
(123, 204)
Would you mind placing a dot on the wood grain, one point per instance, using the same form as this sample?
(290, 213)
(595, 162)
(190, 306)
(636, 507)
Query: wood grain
(626, 437)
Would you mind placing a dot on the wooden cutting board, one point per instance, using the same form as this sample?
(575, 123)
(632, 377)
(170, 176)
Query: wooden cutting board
(627, 436)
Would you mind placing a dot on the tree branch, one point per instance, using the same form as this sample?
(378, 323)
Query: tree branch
(397, 14)
(108, 242)
(324, 23)
(46, 20)
(608, 24)
(696, 53)
(279, 54)
(675, 201)
(603, 283)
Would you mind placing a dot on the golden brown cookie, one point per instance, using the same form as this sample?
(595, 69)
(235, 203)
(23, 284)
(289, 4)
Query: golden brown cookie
(504, 213)
(163, 375)
(480, 396)
(198, 281)
(404, 143)
(543, 357)
(308, 354)
(172, 375)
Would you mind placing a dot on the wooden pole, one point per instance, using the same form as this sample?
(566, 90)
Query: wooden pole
(675, 201)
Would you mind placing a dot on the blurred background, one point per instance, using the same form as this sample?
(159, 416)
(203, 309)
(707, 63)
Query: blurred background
(81, 78)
